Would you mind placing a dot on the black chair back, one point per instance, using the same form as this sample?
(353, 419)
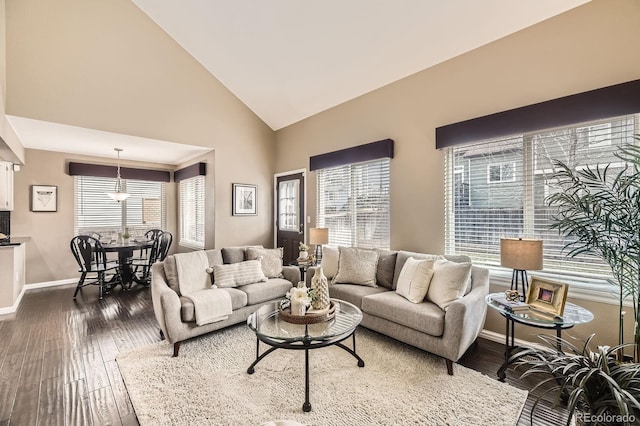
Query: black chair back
(164, 243)
(152, 234)
(88, 252)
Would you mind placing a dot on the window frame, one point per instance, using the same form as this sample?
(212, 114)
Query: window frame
(584, 286)
(355, 184)
(199, 210)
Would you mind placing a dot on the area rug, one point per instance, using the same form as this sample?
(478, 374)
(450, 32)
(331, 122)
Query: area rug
(208, 385)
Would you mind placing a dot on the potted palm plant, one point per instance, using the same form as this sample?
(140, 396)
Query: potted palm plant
(600, 211)
(597, 388)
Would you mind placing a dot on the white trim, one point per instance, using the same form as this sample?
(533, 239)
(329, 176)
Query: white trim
(500, 338)
(12, 309)
(275, 202)
(46, 284)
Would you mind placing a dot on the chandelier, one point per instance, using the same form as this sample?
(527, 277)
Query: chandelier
(118, 194)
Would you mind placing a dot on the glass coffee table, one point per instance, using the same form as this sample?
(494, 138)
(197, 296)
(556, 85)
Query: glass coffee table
(572, 315)
(279, 334)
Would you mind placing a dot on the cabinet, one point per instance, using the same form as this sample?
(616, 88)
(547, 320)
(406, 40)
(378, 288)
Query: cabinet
(6, 185)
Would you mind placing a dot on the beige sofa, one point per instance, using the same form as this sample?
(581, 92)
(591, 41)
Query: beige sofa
(175, 313)
(447, 333)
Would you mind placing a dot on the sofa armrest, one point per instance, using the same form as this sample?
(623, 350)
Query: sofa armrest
(291, 273)
(464, 318)
(166, 302)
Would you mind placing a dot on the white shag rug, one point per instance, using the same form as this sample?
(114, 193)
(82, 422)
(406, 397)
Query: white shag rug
(208, 384)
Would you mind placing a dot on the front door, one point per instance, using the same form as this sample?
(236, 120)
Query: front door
(290, 223)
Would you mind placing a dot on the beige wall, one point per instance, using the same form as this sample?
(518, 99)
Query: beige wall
(583, 49)
(107, 66)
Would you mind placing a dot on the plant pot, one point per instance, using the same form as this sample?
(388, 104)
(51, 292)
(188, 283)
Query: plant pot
(303, 255)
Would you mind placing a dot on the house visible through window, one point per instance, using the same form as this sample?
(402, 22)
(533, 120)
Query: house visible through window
(353, 202)
(497, 189)
(95, 211)
(192, 216)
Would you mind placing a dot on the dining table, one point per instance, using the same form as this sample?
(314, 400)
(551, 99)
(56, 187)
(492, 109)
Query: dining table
(125, 254)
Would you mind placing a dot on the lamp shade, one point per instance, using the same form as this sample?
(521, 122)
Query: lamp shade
(520, 253)
(319, 236)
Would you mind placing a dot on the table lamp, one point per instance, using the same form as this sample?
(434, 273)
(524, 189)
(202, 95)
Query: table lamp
(521, 255)
(318, 237)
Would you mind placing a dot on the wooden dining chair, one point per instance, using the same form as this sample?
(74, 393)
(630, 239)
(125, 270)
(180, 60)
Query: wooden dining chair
(157, 253)
(93, 265)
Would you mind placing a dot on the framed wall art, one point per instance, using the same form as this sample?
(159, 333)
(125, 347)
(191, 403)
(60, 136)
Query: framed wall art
(44, 198)
(245, 199)
(547, 296)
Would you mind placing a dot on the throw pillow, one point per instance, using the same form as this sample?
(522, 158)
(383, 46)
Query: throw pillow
(224, 275)
(449, 282)
(237, 274)
(249, 272)
(271, 260)
(414, 279)
(386, 266)
(236, 254)
(357, 266)
(329, 261)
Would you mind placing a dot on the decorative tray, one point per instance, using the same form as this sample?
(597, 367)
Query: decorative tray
(311, 317)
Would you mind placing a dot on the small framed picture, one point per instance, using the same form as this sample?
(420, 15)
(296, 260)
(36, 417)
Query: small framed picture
(44, 198)
(245, 199)
(547, 296)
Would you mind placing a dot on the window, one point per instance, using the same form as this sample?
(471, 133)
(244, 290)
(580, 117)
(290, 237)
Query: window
(192, 205)
(96, 212)
(504, 172)
(479, 212)
(289, 212)
(353, 202)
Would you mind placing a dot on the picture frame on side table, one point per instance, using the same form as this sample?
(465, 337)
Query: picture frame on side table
(245, 199)
(44, 198)
(547, 296)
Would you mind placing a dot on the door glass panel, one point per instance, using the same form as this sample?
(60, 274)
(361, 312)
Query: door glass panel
(289, 219)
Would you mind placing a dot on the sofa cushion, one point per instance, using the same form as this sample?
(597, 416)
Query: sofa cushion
(386, 267)
(449, 282)
(353, 293)
(188, 313)
(237, 274)
(236, 254)
(426, 317)
(357, 266)
(329, 262)
(261, 292)
(270, 259)
(414, 279)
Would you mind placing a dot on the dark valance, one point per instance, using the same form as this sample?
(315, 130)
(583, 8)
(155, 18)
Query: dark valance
(197, 169)
(611, 101)
(355, 154)
(98, 170)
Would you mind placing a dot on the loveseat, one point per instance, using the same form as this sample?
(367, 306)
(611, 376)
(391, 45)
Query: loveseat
(446, 328)
(231, 270)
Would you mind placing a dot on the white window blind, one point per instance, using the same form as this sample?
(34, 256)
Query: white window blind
(353, 202)
(95, 211)
(481, 210)
(192, 205)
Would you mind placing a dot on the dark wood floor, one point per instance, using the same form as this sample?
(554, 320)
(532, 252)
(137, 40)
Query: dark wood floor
(57, 358)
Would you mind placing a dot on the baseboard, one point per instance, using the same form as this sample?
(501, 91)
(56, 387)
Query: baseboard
(12, 309)
(50, 284)
(500, 338)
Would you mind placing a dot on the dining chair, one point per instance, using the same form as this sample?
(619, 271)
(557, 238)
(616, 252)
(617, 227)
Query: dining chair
(157, 253)
(92, 259)
(150, 235)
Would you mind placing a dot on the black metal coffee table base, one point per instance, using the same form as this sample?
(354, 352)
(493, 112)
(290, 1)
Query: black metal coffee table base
(306, 344)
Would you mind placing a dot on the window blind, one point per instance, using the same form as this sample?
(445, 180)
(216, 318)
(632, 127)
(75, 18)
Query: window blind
(497, 189)
(96, 212)
(192, 216)
(353, 202)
